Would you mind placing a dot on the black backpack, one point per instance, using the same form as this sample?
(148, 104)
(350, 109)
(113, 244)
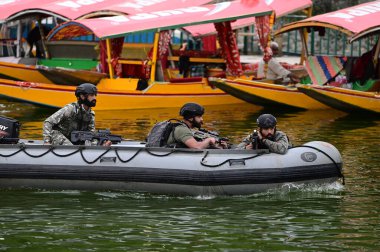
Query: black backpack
(159, 134)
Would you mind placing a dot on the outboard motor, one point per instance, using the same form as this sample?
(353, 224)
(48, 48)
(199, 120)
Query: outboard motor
(9, 130)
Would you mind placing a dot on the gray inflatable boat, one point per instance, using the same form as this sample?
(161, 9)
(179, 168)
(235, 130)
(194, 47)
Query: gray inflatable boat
(130, 166)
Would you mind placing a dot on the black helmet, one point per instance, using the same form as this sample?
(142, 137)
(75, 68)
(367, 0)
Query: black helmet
(266, 121)
(191, 109)
(86, 88)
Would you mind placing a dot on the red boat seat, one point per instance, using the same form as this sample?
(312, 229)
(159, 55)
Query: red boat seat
(183, 80)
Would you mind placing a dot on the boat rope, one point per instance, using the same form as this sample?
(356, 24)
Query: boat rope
(129, 159)
(227, 160)
(163, 155)
(96, 159)
(23, 148)
(340, 174)
(10, 155)
(63, 155)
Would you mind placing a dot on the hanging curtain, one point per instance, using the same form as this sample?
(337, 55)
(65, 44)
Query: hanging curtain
(163, 46)
(209, 43)
(116, 49)
(263, 30)
(230, 51)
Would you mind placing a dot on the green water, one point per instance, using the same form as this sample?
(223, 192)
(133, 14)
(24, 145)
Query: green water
(331, 217)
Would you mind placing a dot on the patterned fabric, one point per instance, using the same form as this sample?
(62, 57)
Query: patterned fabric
(230, 52)
(263, 32)
(116, 49)
(163, 46)
(264, 26)
(163, 43)
(322, 69)
(69, 31)
(58, 127)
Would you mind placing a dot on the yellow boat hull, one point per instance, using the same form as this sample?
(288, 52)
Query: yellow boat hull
(119, 94)
(50, 75)
(21, 72)
(344, 99)
(267, 94)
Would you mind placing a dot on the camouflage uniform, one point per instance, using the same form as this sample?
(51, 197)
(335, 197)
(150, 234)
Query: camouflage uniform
(58, 127)
(280, 144)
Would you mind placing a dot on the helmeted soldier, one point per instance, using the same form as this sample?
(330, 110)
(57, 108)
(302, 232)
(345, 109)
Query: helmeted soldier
(74, 116)
(182, 135)
(266, 136)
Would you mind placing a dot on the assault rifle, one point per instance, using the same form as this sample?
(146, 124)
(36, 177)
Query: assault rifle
(202, 134)
(80, 137)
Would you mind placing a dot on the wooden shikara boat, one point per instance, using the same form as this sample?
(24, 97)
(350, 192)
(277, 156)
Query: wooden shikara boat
(125, 92)
(265, 92)
(343, 99)
(72, 62)
(356, 26)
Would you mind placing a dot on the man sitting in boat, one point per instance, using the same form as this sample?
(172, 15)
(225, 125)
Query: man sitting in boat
(275, 70)
(182, 136)
(74, 116)
(266, 137)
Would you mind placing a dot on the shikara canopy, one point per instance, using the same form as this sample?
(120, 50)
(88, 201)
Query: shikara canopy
(351, 21)
(279, 7)
(117, 26)
(74, 9)
(368, 32)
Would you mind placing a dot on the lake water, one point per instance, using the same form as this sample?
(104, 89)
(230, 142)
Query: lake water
(332, 217)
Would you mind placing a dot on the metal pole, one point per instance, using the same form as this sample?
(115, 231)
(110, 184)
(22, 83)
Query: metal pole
(19, 42)
(154, 57)
(43, 40)
(304, 52)
(110, 68)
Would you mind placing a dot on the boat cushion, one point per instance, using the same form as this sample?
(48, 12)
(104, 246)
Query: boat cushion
(322, 69)
(182, 80)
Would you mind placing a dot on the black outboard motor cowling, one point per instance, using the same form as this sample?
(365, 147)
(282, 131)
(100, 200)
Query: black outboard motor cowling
(9, 130)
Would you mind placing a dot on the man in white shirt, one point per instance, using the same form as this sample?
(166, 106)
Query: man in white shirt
(275, 70)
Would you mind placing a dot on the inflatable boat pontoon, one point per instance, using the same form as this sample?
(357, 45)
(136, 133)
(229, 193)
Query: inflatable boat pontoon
(132, 167)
